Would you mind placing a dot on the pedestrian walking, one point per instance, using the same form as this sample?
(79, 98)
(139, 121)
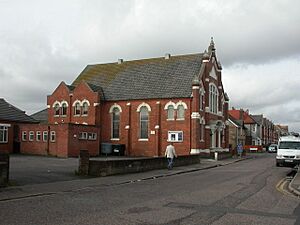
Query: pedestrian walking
(170, 154)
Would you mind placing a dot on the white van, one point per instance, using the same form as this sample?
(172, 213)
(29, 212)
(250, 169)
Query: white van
(288, 152)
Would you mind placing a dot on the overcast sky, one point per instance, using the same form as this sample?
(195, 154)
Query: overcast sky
(258, 43)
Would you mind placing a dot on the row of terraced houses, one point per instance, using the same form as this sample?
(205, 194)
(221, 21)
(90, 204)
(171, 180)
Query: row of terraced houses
(140, 106)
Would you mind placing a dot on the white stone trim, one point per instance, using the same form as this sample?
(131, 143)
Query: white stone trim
(128, 104)
(56, 102)
(48, 106)
(115, 106)
(207, 79)
(127, 127)
(143, 139)
(96, 103)
(204, 150)
(75, 102)
(87, 101)
(205, 60)
(168, 104)
(64, 102)
(5, 124)
(143, 104)
(195, 115)
(158, 102)
(181, 103)
(207, 109)
(195, 151)
(195, 87)
(156, 127)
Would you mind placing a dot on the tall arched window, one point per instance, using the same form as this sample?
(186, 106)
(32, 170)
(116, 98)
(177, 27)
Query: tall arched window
(56, 109)
(180, 112)
(77, 109)
(171, 112)
(64, 108)
(213, 98)
(144, 119)
(115, 123)
(85, 108)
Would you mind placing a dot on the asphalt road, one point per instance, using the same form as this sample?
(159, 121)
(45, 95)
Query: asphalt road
(239, 193)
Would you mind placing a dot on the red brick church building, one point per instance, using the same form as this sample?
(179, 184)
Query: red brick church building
(143, 104)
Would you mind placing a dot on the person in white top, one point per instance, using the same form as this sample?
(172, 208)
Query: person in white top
(170, 154)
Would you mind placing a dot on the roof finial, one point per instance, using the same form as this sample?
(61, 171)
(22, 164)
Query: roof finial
(211, 45)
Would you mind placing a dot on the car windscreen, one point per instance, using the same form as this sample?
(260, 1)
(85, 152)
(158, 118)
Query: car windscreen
(289, 145)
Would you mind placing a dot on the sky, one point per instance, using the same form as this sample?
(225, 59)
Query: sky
(257, 42)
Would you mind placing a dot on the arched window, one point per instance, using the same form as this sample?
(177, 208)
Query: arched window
(171, 112)
(56, 109)
(213, 98)
(115, 123)
(77, 109)
(85, 108)
(64, 108)
(144, 119)
(180, 112)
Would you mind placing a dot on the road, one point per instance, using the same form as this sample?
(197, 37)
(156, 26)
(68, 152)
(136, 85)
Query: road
(239, 193)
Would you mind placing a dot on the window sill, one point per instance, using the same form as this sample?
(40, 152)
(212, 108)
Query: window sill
(3, 142)
(63, 116)
(56, 115)
(77, 115)
(180, 119)
(115, 139)
(84, 115)
(170, 119)
(143, 139)
(174, 141)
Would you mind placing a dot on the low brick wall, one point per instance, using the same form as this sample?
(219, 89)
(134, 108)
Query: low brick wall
(211, 155)
(4, 169)
(120, 166)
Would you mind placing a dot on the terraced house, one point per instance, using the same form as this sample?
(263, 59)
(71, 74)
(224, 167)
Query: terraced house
(141, 104)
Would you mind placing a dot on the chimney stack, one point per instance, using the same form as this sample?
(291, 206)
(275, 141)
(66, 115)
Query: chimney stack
(120, 61)
(167, 56)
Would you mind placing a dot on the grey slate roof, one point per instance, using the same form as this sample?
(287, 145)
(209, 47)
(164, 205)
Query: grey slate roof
(144, 79)
(258, 118)
(9, 112)
(41, 116)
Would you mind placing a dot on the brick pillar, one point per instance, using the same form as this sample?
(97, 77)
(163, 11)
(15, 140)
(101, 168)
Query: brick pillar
(157, 129)
(128, 129)
(84, 162)
(4, 169)
(195, 119)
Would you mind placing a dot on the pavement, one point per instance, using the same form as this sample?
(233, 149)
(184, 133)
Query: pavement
(13, 193)
(294, 185)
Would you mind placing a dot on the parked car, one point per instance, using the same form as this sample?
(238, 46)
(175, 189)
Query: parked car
(272, 148)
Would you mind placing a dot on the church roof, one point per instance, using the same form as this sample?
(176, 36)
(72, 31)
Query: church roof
(164, 77)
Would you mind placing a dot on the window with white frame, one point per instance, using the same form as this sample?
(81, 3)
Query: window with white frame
(3, 134)
(24, 135)
(115, 123)
(38, 136)
(52, 136)
(213, 98)
(85, 108)
(180, 112)
(175, 136)
(144, 119)
(201, 99)
(31, 135)
(56, 109)
(45, 136)
(83, 135)
(64, 108)
(92, 136)
(171, 112)
(77, 109)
